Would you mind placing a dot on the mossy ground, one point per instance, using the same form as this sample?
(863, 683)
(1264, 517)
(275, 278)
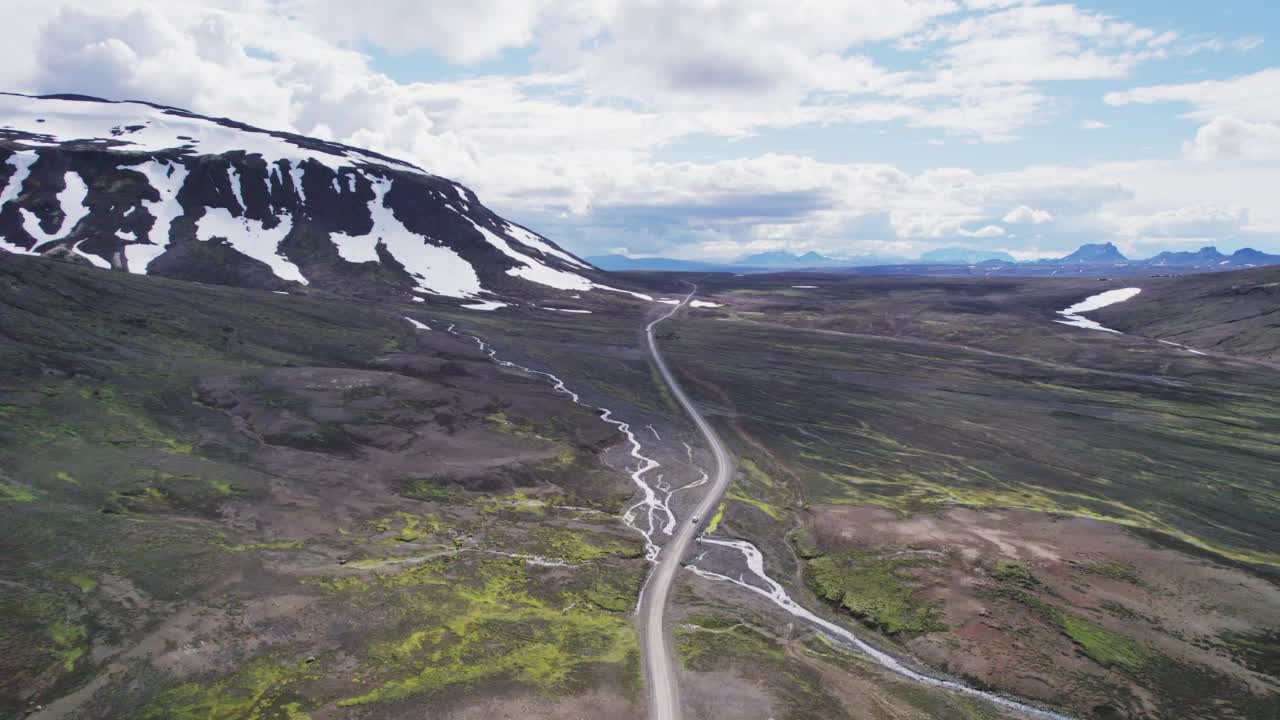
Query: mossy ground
(265, 688)
(875, 588)
(152, 503)
(444, 626)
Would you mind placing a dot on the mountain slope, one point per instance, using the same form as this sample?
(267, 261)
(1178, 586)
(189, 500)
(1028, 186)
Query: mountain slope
(1094, 253)
(156, 190)
(1236, 313)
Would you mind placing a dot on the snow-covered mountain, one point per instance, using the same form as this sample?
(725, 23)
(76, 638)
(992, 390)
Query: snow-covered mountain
(157, 190)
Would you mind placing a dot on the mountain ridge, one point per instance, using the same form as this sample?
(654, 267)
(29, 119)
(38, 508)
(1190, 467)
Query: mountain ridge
(150, 189)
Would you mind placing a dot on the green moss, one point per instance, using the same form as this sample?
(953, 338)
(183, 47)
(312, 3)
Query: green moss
(754, 473)
(86, 584)
(126, 422)
(222, 487)
(1015, 574)
(566, 458)
(403, 527)
(487, 625)
(66, 477)
(705, 642)
(71, 642)
(607, 593)
(875, 589)
(265, 689)
(10, 493)
(1104, 646)
(431, 489)
(715, 519)
(1126, 572)
(760, 505)
(577, 546)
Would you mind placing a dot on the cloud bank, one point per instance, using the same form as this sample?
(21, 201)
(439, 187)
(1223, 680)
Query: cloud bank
(594, 136)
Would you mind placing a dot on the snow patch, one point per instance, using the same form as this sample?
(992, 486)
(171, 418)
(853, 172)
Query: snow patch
(669, 301)
(233, 177)
(252, 239)
(705, 304)
(147, 129)
(1094, 302)
(640, 296)
(804, 287)
(437, 270)
(568, 310)
(167, 180)
(21, 163)
(296, 172)
(71, 200)
(530, 269)
(485, 305)
(416, 324)
(97, 261)
(537, 243)
(1182, 347)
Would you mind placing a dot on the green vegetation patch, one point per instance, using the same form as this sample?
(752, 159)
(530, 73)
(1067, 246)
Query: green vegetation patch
(265, 689)
(492, 622)
(757, 488)
(86, 584)
(1126, 572)
(1013, 573)
(11, 493)
(71, 642)
(715, 519)
(406, 527)
(875, 588)
(1106, 647)
(577, 546)
(705, 641)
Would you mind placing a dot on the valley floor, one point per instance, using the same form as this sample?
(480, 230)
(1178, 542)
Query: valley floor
(230, 503)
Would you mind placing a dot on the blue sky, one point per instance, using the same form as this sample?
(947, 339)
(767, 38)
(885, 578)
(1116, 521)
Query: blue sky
(717, 128)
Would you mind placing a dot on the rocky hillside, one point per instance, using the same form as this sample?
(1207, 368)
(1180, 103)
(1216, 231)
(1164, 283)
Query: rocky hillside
(161, 191)
(1237, 313)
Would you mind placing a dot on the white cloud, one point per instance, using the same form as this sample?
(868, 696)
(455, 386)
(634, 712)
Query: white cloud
(1093, 125)
(1230, 138)
(573, 143)
(1254, 97)
(463, 31)
(1204, 221)
(1027, 215)
(986, 231)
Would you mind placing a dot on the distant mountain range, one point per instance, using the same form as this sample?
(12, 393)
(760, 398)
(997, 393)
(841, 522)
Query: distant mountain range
(1087, 259)
(964, 256)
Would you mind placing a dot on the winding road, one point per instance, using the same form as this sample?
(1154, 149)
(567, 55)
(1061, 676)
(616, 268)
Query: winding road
(664, 691)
